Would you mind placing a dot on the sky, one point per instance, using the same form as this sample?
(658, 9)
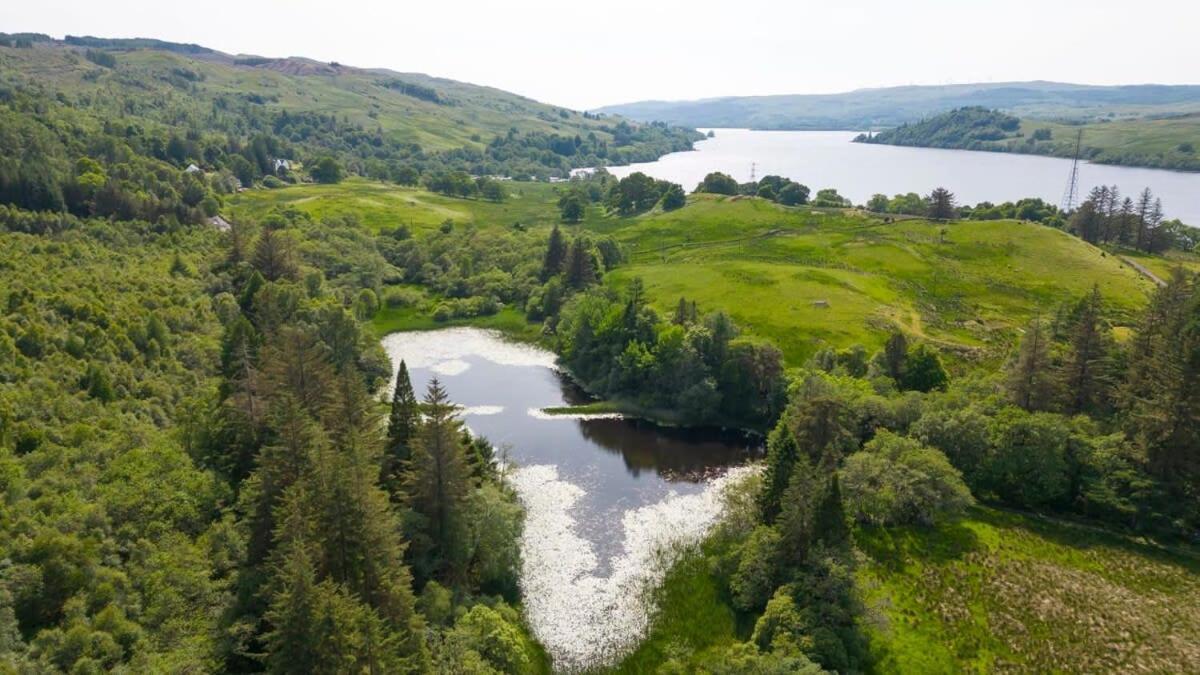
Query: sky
(589, 54)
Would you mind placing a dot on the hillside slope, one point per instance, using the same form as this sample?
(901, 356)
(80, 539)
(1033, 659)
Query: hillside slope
(359, 115)
(1166, 142)
(891, 106)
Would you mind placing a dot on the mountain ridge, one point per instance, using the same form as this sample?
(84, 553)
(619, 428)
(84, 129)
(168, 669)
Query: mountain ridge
(879, 107)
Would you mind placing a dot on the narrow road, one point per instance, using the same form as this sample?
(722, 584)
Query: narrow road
(1143, 270)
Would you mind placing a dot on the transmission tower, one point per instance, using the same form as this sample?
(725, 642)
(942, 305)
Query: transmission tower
(753, 166)
(1072, 192)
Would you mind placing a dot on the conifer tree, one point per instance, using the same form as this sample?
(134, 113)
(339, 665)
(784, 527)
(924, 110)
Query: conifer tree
(782, 454)
(681, 313)
(1161, 395)
(273, 256)
(580, 267)
(437, 485)
(297, 363)
(403, 421)
(1083, 376)
(351, 534)
(556, 255)
(281, 464)
(1031, 380)
(895, 353)
(941, 205)
(293, 642)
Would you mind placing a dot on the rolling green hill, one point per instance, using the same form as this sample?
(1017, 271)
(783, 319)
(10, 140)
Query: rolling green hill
(892, 106)
(806, 278)
(1169, 142)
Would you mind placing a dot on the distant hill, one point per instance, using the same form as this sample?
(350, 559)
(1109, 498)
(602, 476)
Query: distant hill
(888, 107)
(1169, 142)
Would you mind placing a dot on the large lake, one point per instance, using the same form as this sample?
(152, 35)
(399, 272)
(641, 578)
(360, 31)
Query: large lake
(821, 159)
(603, 495)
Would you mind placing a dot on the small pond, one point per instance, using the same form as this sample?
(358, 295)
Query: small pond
(604, 495)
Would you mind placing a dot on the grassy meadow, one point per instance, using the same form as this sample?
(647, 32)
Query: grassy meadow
(805, 278)
(377, 206)
(1000, 591)
(1144, 137)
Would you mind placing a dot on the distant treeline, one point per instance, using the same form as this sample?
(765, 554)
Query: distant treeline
(415, 90)
(135, 43)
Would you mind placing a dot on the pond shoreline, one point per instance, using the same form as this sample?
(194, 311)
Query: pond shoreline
(609, 500)
(597, 405)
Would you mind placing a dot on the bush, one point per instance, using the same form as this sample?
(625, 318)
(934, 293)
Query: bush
(961, 434)
(495, 636)
(718, 183)
(327, 171)
(895, 480)
(394, 298)
(757, 570)
(1026, 464)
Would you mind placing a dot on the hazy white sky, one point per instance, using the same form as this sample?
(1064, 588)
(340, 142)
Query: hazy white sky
(587, 54)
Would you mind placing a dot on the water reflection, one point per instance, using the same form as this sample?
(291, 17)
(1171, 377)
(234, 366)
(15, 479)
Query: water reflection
(673, 453)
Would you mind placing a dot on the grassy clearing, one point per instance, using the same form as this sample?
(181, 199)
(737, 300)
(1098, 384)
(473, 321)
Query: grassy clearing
(377, 205)
(996, 591)
(1003, 591)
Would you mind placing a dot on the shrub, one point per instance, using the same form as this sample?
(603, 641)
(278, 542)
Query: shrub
(394, 298)
(896, 480)
(757, 570)
(1026, 464)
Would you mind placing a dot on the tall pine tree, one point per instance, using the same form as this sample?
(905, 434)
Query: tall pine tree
(403, 421)
(580, 266)
(1031, 382)
(437, 485)
(1161, 395)
(1084, 375)
(556, 255)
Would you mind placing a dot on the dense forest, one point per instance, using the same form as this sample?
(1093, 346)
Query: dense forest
(980, 128)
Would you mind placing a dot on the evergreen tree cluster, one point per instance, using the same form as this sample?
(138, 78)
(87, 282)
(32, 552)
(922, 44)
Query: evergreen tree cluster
(1107, 218)
(694, 367)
